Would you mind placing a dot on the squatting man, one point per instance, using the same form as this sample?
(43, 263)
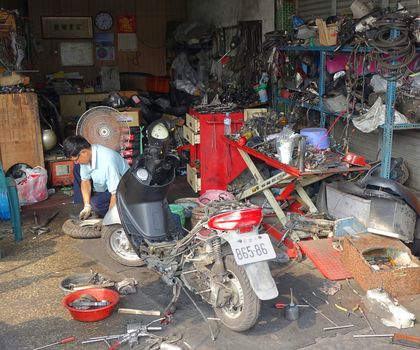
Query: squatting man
(97, 172)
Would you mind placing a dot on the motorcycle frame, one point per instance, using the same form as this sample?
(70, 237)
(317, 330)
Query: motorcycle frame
(258, 273)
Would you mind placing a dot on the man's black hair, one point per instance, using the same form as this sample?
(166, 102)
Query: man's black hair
(72, 145)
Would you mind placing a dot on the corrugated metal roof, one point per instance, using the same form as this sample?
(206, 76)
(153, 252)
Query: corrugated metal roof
(343, 7)
(412, 5)
(311, 9)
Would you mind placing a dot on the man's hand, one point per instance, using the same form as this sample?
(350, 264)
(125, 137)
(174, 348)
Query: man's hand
(85, 213)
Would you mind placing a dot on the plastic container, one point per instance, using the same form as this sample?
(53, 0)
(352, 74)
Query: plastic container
(92, 315)
(178, 209)
(227, 122)
(316, 137)
(189, 204)
(4, 206)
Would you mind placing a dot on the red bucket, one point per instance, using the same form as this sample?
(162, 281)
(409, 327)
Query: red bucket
(92, 315)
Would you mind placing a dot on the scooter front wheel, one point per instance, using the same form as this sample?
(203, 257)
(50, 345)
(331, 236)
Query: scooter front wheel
(118, 246)
(241, 311)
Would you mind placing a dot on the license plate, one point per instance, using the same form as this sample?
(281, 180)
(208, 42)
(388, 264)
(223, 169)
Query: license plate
(252, 249)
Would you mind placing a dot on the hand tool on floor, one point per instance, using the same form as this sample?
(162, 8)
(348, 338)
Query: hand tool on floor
(139, 312)
(397, 338)
(39, 229)
(291, 311)
(358, 308)
(336, 326)
(324, 300)
(283, 305)
(62, 341)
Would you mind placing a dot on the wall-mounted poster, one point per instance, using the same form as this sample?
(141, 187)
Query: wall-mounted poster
(126, 24)
(127, 42)
(104, 46)
(78, 54)
(67, 27)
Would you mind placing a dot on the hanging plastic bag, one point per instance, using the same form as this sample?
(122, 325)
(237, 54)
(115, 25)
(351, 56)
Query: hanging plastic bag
(33, 188)
(375, 117)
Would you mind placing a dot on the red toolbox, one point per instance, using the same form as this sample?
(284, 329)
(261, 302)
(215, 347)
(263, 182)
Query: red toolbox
(60, 172)
(213, 162)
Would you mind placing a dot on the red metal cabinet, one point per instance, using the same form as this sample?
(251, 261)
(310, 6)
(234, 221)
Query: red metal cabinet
(213, 162)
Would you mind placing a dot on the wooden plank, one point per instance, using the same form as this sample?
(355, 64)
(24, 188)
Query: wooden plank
(20, 135)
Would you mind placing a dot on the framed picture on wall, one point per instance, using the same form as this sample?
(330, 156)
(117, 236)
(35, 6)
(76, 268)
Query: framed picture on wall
(67, 27)
(76, 54)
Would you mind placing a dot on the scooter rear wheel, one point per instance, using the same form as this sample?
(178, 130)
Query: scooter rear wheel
(241, 312)
(118, 246)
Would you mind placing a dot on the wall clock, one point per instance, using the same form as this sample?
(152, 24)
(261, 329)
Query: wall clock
(104, 21)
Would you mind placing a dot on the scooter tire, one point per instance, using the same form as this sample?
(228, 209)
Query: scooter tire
(73, 229)
(415, 247)
(107, 236)
(247, 318)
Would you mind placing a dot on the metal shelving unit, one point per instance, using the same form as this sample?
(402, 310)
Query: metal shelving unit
(388, 127)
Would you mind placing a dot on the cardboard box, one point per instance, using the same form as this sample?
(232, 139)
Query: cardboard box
(327, 33)
(132, 116)
(396, 281)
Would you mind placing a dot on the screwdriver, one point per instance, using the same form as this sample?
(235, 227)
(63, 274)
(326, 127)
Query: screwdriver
(62, 341)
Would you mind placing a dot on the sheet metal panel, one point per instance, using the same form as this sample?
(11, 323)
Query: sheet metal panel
(311, 9)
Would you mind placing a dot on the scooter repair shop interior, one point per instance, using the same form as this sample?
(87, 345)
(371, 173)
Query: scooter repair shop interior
(183, 174)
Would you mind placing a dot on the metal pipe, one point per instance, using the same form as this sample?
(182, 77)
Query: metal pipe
(338, 327)
(301, 151)
(320, 312)
(373, 335)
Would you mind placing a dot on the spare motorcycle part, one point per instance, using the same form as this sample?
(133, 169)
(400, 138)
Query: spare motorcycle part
(355, 159)
(119, 247)
(62, 341)
(74, 229)
(103, 125)
(114, 99)
(82, 304)
(126, 286)
(361, 8)
(396, 188)
(398, 172)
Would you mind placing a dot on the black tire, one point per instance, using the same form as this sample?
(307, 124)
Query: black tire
(73, 229)
(118, 247)
(244, 319)
(415, 247)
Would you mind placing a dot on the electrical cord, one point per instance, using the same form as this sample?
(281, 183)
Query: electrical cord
(393, 45)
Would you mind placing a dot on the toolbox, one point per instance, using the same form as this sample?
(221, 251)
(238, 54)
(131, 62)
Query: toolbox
(60, 172)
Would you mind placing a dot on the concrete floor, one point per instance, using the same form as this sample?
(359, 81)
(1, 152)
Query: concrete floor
(31, 314)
